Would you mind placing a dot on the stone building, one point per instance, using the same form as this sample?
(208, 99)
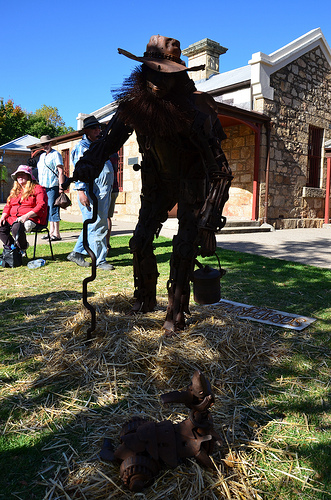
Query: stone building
(292, 87)
(276, 112)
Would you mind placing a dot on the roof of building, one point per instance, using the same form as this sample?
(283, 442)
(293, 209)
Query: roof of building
(227, 79)
(72, 136)
(20, 144)
(261, 66)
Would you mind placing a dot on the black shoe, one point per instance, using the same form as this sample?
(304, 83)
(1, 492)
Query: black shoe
(45, 237)
(78, 259)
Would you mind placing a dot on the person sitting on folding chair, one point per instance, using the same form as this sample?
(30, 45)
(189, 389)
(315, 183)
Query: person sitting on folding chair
(25, 210)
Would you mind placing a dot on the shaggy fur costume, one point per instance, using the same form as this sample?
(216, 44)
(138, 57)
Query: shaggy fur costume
(179, 138)
(150, 115)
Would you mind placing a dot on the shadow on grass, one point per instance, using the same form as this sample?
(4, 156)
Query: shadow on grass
(116, 257)
(22, 456)
(41, 453)
(291, 387)
(121, 256)
(22, 315)
(273, 283)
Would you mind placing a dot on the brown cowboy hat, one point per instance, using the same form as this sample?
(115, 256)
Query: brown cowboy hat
(162, 54)
(91, 121)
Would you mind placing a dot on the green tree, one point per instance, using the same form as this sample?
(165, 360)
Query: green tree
(15, 122)
(51, 115)
(38, 126)
(47, 121)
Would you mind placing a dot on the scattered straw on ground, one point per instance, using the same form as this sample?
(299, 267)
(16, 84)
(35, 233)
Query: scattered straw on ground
(122, 373)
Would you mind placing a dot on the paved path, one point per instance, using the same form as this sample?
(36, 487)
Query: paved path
(308, 246)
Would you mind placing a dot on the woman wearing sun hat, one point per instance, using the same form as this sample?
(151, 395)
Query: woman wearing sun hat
(25, 209)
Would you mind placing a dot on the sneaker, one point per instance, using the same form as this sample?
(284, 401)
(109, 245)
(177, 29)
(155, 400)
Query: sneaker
(105, 266)
(78, 259)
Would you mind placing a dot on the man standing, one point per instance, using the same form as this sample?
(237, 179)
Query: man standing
(102, 188)
(50, 176)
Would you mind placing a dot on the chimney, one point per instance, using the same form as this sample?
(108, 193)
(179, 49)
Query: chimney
(80, 120)
(204, 52)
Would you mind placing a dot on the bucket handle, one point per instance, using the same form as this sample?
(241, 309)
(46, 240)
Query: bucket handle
(200, 266)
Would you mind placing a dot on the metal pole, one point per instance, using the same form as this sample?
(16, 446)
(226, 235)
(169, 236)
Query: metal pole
(93, 258)
(327, 194)
(265, 219)
(1, 165)
(1, 181)
(255, 204)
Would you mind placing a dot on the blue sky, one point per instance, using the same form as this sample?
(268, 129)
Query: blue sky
(64, 53)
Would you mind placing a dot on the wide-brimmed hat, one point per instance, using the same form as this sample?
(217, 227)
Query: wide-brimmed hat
(162, 54)
(26, 170)
(45, 138)
(90, 121)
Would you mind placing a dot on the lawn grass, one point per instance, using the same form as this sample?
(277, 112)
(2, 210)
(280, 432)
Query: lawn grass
(70, 226)
(288, 409)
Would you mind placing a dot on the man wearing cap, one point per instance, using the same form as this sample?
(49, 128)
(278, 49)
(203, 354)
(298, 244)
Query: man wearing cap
(102, 188)
(50, 175)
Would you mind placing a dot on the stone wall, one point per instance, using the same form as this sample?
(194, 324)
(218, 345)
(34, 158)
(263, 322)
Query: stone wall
(128, 202)
(239, 148)
(302, 98)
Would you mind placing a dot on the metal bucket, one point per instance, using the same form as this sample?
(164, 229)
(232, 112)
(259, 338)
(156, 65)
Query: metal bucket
(206, 284)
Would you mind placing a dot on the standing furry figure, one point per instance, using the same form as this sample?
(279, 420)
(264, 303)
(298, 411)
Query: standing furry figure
(179, 137)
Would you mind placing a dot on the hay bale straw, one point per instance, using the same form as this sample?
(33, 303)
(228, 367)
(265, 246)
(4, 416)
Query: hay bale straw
(123, 372)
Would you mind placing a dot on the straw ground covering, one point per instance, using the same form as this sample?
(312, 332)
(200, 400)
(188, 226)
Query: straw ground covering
(60, 397)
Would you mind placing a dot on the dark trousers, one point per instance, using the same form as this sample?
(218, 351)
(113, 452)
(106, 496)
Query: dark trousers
(13, 234)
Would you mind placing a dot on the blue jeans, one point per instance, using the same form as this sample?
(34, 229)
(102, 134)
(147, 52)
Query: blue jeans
(96, 233)
(53, 212)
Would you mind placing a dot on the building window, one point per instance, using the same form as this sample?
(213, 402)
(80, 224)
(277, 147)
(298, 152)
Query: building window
(314, 156)
(66, 159)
